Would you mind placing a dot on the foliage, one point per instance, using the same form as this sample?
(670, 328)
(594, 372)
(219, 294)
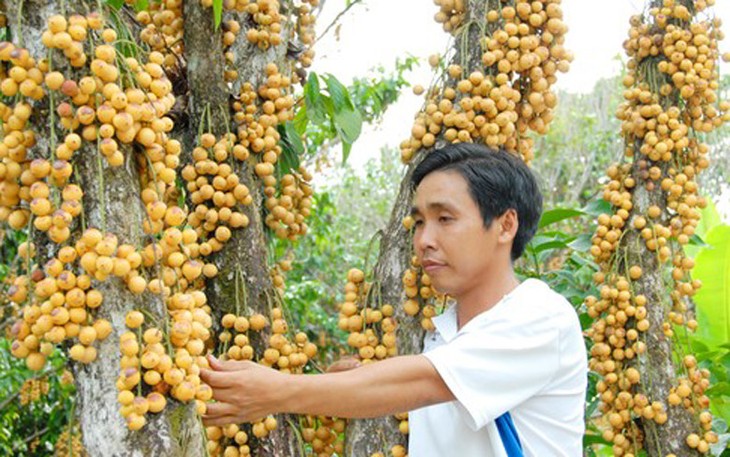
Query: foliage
(711, 342)
(346, 216)
(336, 115)
(713, 299)
(34, 428)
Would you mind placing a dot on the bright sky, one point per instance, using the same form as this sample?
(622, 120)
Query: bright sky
(379, 31)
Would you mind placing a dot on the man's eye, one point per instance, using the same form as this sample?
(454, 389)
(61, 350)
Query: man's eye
(418, 222)
(445, 218)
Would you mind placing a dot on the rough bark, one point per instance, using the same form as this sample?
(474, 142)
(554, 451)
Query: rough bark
(246, 251)
(657, 365)
(112, 204)
(365, 437)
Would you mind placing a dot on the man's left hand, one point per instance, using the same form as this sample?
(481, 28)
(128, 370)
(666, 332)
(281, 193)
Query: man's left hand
(244, 391)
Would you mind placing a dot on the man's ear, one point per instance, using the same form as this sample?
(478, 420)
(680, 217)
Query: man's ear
(508, 225)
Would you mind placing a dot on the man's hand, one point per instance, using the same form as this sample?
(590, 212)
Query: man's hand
(244, 391)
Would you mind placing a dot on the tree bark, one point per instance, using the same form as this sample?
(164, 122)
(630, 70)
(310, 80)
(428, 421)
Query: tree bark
(246, 251)
(112, 204)
(657, 197)
(657, 366)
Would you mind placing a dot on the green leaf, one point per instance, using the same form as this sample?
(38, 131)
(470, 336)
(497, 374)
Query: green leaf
(300, 120)
(338, 93)
(557, 215)
(597, 207)
(292, 138)
(217, 12)
(585, 321)
(316, 110)
(708, 220)
(712, 267)
(552, 244)
(291, 146)
(140, 5)
(116, 4)
(581, 243)
(720, 388)
(695, 240)
(594, 439)
(348, 124)
(346, 149)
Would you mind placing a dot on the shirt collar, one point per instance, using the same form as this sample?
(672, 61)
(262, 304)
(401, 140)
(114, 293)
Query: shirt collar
(446, 323)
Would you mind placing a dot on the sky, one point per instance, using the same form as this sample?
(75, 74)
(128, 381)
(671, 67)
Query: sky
(379, 31)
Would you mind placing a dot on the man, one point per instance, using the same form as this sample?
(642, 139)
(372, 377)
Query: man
(504, 373)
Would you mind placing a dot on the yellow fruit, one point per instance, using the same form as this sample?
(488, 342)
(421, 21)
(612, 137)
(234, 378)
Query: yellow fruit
(35, 361)
(135, 421)
(137, 284)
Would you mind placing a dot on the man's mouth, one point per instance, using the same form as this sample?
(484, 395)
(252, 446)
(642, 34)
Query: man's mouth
(432, 265)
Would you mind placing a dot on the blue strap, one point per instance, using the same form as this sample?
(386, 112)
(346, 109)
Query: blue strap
(508, 433)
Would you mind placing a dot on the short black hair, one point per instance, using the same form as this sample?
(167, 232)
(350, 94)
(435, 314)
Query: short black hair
(497, 180)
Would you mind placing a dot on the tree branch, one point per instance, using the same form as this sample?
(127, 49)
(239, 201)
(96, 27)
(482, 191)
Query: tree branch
(337, 19)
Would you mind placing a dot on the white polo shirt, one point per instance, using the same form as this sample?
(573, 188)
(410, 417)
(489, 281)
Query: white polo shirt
(525, 355)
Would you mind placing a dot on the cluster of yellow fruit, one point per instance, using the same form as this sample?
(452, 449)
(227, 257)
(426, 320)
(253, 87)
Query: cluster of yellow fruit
(109, 104)
(131, 113)
(163, 29)
(670, 95)
(499, 103)
(325, 435)
(231, 29)
(615, 346)
(32, 390)
(59, 309)
(362, 321)
(690, 393)
(372, 330)
(418, 289)
(305, 30)
(257, 114)
(278, 273)
(69, 443)
(96, 104)
(15, 168)
(450, 14)
(69, 35)
(287, 356)
(173, 367)
(215, 190)
(227, 441)
(147, 359)
(283, 354)
(268, 18)
(288, 211)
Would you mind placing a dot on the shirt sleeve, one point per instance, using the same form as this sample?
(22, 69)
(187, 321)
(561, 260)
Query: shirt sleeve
(490, 373)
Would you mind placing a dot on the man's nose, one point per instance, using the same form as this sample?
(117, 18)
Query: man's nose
(424, 239)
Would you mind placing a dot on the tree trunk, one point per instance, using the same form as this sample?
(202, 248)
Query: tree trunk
(112, 204)
(245, 255)
(652, 389)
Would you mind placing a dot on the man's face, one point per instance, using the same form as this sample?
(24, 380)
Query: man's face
(450, 239)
